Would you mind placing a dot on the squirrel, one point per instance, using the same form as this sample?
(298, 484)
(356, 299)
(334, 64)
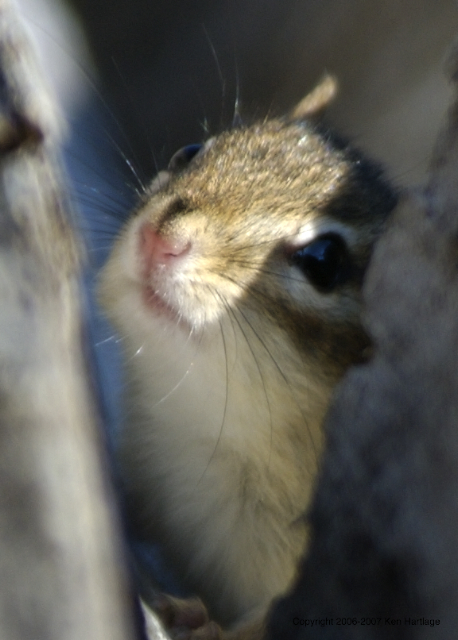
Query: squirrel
(236, 289)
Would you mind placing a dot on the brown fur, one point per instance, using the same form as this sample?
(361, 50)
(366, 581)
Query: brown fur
(227, 394)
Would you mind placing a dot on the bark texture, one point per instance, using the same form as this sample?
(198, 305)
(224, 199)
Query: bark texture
(384, 523)
(61, 562)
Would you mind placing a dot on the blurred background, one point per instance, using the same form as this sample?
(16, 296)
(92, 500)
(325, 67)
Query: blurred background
(167, 71)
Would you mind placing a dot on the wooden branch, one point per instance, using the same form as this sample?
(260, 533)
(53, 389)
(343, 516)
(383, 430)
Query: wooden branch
(384, 524)
(62, 570)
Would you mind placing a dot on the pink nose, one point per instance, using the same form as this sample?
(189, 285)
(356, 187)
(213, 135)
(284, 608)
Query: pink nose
(156, 249)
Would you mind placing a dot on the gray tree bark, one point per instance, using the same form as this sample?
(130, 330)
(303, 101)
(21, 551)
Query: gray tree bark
(384, 523)
(62, 570)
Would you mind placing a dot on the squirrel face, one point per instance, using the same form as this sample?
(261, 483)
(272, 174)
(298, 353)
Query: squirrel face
(275, 221)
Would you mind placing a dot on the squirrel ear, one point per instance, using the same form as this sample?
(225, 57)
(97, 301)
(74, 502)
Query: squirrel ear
(315, 103)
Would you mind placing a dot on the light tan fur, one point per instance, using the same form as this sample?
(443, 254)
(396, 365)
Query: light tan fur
(227, 386)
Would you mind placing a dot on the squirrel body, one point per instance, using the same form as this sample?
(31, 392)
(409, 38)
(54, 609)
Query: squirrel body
(235, 288)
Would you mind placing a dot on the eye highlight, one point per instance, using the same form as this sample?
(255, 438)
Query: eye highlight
(324, 262)
(183, 157)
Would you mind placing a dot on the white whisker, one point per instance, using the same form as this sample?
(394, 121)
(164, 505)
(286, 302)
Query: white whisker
(177, 386)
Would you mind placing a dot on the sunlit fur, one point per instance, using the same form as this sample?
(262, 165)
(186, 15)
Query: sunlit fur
(227, 389)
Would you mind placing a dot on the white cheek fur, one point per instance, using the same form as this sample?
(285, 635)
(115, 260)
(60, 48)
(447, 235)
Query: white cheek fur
(316, 227)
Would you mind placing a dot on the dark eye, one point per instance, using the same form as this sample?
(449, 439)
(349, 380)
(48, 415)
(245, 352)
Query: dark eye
(324, 262)
(183, 157)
